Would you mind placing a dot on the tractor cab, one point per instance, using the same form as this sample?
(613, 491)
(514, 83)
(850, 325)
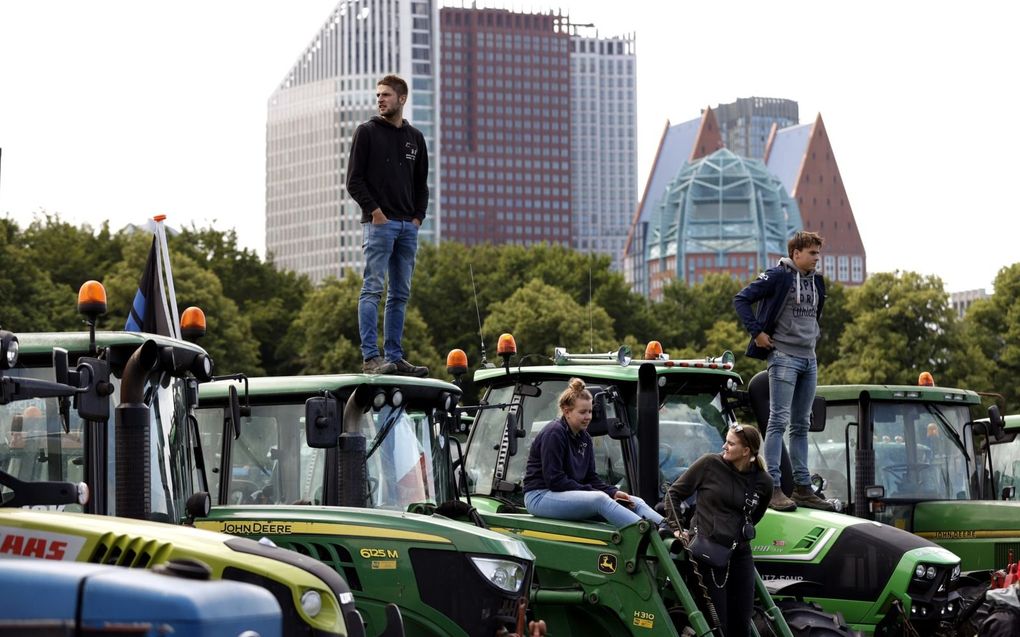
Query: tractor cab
(651, 419)
(131, 394)
(355, 471)
(913, 456)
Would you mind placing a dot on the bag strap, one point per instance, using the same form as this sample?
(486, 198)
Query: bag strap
(751, 496)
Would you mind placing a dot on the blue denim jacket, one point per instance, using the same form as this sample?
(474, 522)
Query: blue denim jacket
(769, 292)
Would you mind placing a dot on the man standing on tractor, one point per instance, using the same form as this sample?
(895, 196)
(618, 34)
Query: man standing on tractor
(784, 330)
(386, 175)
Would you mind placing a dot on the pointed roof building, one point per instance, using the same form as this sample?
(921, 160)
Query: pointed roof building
(803, 159)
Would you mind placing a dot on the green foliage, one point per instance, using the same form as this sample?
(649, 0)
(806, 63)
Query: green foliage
(326, 337)
(542, 317)
(992, 332)
(228, 338)
(29, 300)
(903, 325)
(262, 320)
(72, 255)
(836, 316)
(269, 298)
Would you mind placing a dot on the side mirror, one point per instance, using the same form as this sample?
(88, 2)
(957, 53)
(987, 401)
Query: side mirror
(234, 411)
(996, 426)
(599, 425)
(817, 415)
(511, 433)
(1008, 493)
(322, 422)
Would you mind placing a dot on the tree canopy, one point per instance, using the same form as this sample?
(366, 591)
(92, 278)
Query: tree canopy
(263, 320)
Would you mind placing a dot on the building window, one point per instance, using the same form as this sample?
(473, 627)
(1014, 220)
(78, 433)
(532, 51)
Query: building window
(856, 269)
(829, 263)
(844, 268)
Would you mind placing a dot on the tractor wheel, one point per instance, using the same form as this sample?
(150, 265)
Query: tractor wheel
(805, 620)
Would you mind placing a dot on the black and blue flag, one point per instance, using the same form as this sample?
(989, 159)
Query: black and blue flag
(148, 311)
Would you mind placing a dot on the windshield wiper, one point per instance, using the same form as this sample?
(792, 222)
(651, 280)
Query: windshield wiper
(947, 427)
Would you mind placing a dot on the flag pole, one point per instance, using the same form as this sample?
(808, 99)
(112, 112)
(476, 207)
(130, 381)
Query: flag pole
(175, 324)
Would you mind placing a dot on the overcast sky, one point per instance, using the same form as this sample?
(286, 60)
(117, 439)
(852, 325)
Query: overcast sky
(121, 110)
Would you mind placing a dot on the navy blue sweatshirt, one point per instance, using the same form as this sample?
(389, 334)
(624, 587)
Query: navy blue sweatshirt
(769, 291)
(388, 169)
(560, 460)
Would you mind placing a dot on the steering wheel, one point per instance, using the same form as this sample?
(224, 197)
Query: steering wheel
(668, 451)
(241, 492)
(901, 471)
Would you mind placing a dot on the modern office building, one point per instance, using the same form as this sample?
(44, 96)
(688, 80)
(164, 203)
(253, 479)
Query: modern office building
(707, 209)
(506, 113)
(312, 225)
(603, 141)
(746, 123)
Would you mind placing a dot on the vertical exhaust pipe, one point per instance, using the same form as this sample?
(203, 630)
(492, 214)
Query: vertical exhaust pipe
(131, 430)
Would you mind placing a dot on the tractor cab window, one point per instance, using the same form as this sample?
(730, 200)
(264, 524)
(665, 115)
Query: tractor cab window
(489, 432)
(690, 425)
(918, 450)
(269, 462)
(33, 444)
(404, 456)
(827, 450)
(1005, 458)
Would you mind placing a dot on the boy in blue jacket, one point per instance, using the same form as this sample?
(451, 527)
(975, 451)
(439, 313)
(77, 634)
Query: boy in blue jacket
(784, 330)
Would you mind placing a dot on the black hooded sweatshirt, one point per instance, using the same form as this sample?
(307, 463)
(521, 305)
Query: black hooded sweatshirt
(388, 169)
(721, 490)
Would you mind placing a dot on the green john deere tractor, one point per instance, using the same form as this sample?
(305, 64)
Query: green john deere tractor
(305, 439)
(915, 457)
(652, 420)
(353, 478)
(53, 458)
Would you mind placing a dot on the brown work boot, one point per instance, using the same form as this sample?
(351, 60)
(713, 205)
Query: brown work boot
(805, 496)
(780, 502)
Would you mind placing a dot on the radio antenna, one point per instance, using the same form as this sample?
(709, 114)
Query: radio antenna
(591, 323)
(478, 314)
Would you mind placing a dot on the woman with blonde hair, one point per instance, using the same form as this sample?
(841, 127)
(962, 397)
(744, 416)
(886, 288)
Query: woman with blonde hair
(733, 490)
(560, 480)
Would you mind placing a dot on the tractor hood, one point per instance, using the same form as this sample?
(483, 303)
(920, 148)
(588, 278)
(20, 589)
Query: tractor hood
(808, 535)
(370, 524)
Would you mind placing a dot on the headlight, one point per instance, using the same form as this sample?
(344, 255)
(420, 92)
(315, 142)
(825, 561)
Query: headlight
(505, 574)
(955, 575)
(930, 573)
(919, 571)
(311, 602)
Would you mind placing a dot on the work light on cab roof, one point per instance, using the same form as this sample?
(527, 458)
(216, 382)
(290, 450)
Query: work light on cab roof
(193, 323)
(653, 351)
(456, 363)
(92, 299)
(506, 347)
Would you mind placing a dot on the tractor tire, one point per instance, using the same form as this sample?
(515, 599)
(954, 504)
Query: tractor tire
(805, 620)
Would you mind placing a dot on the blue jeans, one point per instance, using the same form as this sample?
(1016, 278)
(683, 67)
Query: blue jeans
(583, 505)
(792, 381)
(389, 248)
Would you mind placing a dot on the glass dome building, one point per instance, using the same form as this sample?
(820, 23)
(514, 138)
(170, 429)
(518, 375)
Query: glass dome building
(721, 213)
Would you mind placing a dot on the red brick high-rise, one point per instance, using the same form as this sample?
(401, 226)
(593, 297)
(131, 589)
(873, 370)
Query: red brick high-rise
(506, 116)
